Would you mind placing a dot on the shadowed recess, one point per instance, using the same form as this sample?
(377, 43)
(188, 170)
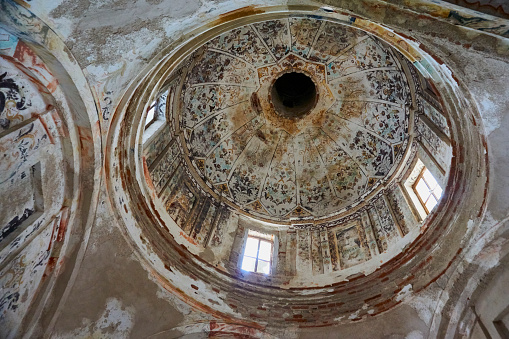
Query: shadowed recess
(293, 95)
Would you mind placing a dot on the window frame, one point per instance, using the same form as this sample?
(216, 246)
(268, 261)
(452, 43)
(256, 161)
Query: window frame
(259, 239)
(153, 127)
(414, 188)
(155, 106)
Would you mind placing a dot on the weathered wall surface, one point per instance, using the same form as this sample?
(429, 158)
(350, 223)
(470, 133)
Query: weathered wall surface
(116, 297)
(494, 7)
(47, 156)
(34, 184)
(113, 293)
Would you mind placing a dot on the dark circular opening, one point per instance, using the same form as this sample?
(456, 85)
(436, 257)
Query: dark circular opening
(293, 95)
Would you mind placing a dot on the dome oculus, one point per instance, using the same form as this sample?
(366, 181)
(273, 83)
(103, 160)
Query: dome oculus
(293, 95)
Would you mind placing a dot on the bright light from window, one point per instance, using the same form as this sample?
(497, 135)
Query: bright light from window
(151, 117)
(257, 255)
(427, 189)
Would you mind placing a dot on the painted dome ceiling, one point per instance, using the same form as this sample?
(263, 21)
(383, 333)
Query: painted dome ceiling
(252, 148)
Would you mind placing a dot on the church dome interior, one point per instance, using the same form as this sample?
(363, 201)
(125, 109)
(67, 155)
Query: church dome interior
(193, 169)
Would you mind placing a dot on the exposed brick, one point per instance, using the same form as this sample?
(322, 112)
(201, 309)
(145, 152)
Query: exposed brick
(372, 298)
(296, 320)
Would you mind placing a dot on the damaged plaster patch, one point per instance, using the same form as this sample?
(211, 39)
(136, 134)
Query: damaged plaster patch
(115, 322)
(115, 13)
(104, 33)
(172, 299)
(190, 316)
(484, 226)
(481, 251)
(490, 256)
(406, 291)
(490, 116)
(102, 234)
(107, 46)
(415, 335)
(356, 314)
(425, 303)
(107, 36)
(338, 319)
(488, 87)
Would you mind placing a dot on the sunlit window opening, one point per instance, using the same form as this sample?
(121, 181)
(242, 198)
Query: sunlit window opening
(151, 114)
(258, 253)
(427, 189)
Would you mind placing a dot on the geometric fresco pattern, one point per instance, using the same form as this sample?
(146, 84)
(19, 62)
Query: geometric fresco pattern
(270, 168)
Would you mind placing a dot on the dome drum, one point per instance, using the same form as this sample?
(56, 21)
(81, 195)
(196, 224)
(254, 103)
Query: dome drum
(334, 186)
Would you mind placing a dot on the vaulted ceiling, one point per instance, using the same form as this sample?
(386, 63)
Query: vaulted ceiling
(106, 232)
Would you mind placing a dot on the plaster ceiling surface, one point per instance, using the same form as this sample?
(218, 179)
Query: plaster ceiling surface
(287, 168)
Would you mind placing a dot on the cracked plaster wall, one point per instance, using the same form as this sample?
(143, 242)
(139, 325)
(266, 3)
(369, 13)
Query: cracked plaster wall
(113, 295)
